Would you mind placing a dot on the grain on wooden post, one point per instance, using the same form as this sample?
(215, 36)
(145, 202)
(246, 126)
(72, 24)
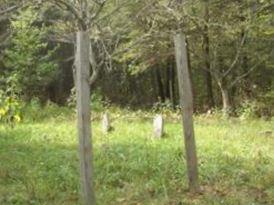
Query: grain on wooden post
(83, 116)
(106, 123)
(158, 126)
(186, 102)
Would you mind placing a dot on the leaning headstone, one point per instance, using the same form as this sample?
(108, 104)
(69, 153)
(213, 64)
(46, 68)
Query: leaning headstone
(158, 126)
(106, 123)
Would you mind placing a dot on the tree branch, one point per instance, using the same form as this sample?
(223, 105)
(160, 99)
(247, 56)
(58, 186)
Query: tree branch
(243, 75)
(239, 50)
(93, 64)
(72, 9)
(96, 14)
(10, 9)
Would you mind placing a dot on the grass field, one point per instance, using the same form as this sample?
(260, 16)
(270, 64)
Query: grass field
(39, 163)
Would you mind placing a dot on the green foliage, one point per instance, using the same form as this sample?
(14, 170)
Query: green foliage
(248, 110)
(96, 100)
(28, 59)
(266, 103)
(10, 109)
(39, 163)
(35, 111)
(147, 42)
(262, 107)
(166, 108)
(98, 104)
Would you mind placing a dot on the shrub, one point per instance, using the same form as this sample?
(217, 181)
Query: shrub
(28, 60)
(248, 110)
(36, 111)
(96, 100)
(10, 109)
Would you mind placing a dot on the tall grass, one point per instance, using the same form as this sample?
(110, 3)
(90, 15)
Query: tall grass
(39, 162)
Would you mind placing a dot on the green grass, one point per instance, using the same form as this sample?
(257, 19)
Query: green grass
(39, 163)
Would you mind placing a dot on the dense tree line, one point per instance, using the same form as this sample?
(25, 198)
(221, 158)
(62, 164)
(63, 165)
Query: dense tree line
(230, 49)
(222, 51)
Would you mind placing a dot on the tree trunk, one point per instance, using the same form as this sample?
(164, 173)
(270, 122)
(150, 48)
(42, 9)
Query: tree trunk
(225, 98)
(154, 85)
(207, 71)
(172, 84)
(245, 81)
(209, 90)
(160, 85)
(83, 116)
(168, 79)
(186, 101)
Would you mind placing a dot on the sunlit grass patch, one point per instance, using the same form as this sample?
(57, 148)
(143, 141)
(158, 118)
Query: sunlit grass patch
(39, 163)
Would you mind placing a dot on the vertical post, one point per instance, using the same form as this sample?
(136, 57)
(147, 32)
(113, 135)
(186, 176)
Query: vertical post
(186, 102)
(83, 116)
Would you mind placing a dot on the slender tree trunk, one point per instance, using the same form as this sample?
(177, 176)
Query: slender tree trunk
(83, 116)
(208, 80)
(153, 85)
(168, 79)
(160, 84)
(225, 98)
(172, 84)
(245, 81)
(186, 101)
(209, 89)
(207, 71)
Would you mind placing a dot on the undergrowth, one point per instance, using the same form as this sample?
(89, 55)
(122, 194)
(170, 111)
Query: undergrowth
(39, 161)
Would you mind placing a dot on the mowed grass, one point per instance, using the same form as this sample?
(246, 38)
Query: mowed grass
(39, 163)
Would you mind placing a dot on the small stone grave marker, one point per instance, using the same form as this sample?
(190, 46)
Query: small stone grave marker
(106, 123)
(158, 125)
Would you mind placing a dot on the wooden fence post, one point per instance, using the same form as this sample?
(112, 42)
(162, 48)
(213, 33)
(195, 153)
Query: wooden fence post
(83, 117)
(186, 102)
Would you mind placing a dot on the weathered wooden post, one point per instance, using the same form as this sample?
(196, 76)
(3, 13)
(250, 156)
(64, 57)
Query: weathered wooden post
(158, 125)
(83, 114)
(106, 123)
(186, 102)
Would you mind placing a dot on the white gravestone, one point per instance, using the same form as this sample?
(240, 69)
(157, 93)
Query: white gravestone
(106, 123)
(158, 125)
